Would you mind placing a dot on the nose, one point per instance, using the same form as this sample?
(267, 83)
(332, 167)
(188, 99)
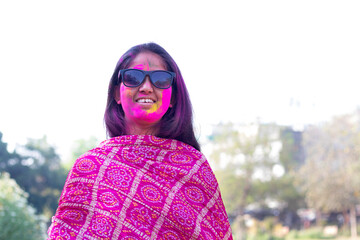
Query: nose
(146, 86)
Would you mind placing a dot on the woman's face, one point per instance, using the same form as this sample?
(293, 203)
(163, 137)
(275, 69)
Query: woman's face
(146, 104)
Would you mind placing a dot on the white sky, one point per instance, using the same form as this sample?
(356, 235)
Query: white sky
(292, 62)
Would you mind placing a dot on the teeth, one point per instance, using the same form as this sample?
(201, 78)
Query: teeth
(145, 100)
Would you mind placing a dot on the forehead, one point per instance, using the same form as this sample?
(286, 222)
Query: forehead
(147, 61)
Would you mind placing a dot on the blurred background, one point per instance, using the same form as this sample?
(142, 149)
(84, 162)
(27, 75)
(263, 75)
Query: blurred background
(273, 86)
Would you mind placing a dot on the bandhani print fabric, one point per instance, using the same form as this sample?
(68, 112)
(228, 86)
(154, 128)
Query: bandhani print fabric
(141, 187)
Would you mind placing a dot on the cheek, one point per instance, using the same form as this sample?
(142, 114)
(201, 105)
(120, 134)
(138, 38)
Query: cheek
(163, 103)
(166, 97)
(126, 95)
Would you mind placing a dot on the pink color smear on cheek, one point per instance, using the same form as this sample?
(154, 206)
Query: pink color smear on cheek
(134, 112)
(158, 110)
(126, 101)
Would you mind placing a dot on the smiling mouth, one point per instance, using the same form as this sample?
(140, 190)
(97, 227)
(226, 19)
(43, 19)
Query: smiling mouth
(145, 100)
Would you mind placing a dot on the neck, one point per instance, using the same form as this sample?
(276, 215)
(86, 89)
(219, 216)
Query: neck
(134, 128)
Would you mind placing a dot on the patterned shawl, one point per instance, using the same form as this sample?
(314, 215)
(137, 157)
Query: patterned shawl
(141, 187)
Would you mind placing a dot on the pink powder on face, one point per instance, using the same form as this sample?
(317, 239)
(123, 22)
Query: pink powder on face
(142, 116)
(136, 113)
(161, 106)
(139, 66)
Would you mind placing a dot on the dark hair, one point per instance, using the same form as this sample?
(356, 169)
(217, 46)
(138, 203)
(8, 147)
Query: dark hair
(177, 123)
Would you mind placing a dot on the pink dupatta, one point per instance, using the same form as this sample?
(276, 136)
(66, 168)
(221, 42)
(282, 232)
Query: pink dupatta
(141, 187)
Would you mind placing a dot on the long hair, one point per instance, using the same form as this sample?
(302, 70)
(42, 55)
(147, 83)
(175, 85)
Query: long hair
(177, 123)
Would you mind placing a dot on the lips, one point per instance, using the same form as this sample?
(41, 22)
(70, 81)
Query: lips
(145, 100)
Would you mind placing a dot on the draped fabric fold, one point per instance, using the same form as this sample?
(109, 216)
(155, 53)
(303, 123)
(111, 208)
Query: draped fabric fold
(141, 187)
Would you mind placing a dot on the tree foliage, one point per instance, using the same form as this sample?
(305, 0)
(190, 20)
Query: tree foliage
(256, 164)
(330, 177)
(80, 147)
(17, 218)
(291, 158)
(37, 169)
(242, 154)
(255, 167)
(292, 154)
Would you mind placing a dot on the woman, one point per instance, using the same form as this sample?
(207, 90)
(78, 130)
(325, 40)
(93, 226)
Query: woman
(149, 180)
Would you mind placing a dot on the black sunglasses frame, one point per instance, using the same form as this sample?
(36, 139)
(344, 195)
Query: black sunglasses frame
(145, 73)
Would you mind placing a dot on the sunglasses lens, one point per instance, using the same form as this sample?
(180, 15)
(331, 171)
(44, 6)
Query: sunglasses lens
(132, 78)
(161, 79)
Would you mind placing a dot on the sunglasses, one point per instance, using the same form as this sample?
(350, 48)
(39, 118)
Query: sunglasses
(135, 77)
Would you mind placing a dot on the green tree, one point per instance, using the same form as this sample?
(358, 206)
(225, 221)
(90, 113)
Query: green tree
(243, 155)
(256, 165)
(4, 154)
(37, 169)
(80, 147)
(280, 187)
(7, 159)
(292, 154)
(283, 188)
(330, 177)
(17, 218)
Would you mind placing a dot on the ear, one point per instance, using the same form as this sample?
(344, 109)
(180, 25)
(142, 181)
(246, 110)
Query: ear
(117, 94)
